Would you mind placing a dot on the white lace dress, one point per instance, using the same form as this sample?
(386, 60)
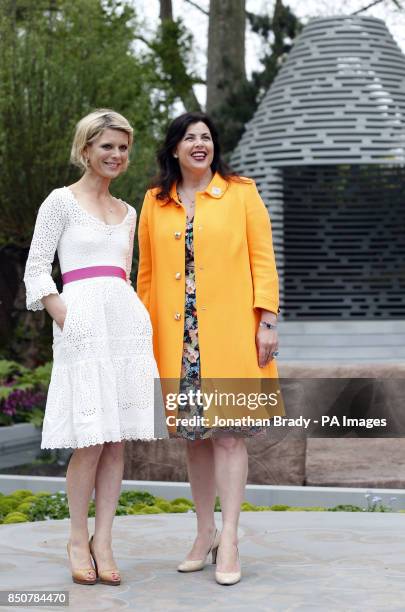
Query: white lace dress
(104, 374)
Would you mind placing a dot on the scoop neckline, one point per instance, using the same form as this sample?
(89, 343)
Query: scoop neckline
(76, 202)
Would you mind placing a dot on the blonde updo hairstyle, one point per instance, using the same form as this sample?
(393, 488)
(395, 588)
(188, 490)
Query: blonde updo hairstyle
(91, 126)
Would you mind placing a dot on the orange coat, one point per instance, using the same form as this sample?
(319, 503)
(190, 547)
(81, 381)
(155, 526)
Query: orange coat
(235, 274)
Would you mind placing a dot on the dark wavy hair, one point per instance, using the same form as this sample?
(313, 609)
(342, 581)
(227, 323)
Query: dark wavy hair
(169, 167)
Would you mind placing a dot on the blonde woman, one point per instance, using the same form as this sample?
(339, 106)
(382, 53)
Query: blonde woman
(101, 389)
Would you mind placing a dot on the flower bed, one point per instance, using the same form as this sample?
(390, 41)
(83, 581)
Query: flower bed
(23, 393)
(23, 506)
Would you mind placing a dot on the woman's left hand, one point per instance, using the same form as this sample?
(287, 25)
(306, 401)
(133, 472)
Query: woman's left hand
(267, 344)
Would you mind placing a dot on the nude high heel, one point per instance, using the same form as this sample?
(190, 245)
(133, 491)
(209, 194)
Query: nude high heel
(105, 576)
(82, 576)
(228, 578)
(198, 564)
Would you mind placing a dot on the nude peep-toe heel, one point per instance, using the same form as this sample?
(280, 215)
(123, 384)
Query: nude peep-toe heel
(198, 564)
(228, 578)
(105, 576)
(82, 576)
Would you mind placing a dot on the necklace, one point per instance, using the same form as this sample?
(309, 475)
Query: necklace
(192, 202)
(110, 209)
(189, 209)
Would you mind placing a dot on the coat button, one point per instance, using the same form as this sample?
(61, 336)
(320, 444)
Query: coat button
(177, 316)
(177, 235)
(178, 276)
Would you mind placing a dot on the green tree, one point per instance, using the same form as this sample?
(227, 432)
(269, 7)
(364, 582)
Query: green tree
(58, 61)
(172, 45)
(231, 98)
(278, 31)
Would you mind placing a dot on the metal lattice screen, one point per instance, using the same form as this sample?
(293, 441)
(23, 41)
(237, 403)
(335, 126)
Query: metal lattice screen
(344, 242)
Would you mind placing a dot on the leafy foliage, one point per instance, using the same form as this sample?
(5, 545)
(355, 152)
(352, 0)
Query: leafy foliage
(23, 393)
(173, 47)
(58, 61)
(277, 32)
(23, 505)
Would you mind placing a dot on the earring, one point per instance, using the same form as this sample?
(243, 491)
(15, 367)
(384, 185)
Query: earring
(175, 156)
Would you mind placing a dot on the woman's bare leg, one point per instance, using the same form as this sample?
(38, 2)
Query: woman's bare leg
(80, 481)
(231, 467)
(200, 466)
(109, 474)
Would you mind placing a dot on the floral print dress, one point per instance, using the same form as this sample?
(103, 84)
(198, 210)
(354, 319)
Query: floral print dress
(190, 365)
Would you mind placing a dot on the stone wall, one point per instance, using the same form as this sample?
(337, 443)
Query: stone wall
(280, 459)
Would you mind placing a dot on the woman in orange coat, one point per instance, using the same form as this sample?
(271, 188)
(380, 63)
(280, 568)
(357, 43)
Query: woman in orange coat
(208, 278)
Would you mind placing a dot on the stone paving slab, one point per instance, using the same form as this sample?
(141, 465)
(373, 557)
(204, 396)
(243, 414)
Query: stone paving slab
(292, 561)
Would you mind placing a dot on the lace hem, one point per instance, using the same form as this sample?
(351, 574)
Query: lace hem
(93, 440)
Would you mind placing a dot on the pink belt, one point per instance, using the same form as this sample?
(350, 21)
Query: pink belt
(92, 272)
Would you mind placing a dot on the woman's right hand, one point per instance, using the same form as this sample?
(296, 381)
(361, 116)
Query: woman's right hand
(56, 308)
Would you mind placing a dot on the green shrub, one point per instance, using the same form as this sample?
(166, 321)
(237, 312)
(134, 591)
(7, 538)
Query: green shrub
(128, 498)
(178, 508)
(30, 498)
(10, 369)
(22, 505)
(163, 505)
(184, 501)
(15, 517)
(345, 508)
(49, 506)
(152, 510)
(305, 509)
(39, 376)
(25, 508)
(22, 393)
(135, 509)
(248, 507)
(21, 494)
(7, 504)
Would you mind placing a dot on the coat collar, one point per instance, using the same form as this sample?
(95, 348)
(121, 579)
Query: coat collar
(215, 189)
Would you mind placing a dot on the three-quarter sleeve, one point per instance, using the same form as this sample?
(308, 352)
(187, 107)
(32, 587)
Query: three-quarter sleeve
(38, 270)
(261, 252)
(144, 278)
